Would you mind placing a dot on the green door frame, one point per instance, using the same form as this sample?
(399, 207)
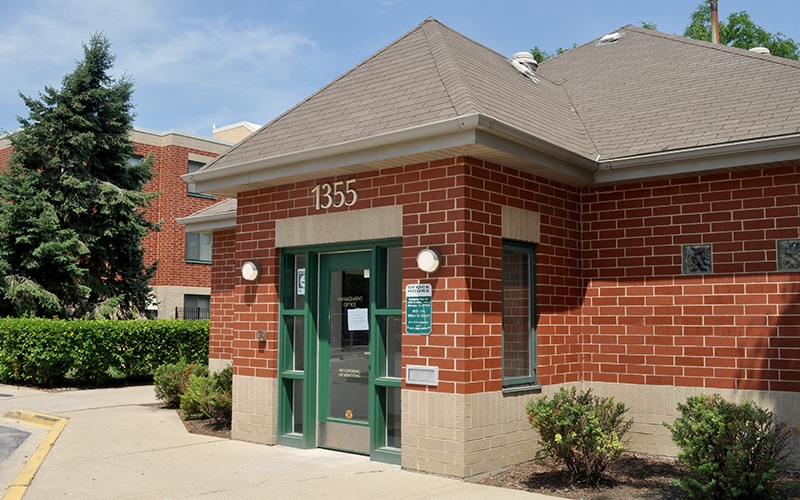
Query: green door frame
(306, 378)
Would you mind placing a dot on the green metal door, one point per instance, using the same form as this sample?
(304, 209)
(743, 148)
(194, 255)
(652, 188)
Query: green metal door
(345, 351)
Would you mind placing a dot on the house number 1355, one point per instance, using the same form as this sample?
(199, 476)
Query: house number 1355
(335, 195)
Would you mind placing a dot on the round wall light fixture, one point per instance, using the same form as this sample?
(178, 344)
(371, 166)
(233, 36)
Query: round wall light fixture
(429, 260)
(251, 270)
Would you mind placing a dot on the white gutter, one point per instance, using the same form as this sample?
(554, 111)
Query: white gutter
(208, 223)
(463, 132)
(377, 141)
(717, 157)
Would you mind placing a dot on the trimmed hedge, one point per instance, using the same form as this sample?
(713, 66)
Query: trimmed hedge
(50, 352)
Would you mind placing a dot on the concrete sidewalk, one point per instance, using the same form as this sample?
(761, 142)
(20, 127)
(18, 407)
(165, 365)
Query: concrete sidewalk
(117, 443)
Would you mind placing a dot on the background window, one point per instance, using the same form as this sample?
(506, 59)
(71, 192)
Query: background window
(198, 247)
(191, 188)
(195, 307)
(519, 336)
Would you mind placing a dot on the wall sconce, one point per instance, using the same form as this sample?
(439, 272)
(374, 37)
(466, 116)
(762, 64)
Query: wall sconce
(251, 270)
(429, 260)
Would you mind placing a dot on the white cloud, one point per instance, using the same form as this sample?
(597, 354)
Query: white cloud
(181, 55)
(202, 49)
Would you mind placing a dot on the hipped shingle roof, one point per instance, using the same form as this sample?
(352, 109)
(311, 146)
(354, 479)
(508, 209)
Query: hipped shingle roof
(643, 93)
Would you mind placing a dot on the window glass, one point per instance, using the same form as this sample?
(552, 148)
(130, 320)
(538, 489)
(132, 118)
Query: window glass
(518, 315)
(198, 247)
(299, 289)
(296, 328)
(196, 306)
(297, 406)
(394, 277)
(391, 329)
(393, 417)
(191, 189)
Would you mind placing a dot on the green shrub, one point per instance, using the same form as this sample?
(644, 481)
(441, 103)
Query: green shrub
(731, 451)
(209, 397)
(171, 380)
(50, 352)
(581, 431)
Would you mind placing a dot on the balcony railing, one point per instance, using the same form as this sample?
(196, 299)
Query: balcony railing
(192, 313)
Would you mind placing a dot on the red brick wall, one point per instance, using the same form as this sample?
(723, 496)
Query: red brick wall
(455, 206)
(223, 299)
(168, 245)
(647, 323)
(5, 156)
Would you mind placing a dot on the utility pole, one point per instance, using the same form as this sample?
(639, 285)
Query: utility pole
(714, 22)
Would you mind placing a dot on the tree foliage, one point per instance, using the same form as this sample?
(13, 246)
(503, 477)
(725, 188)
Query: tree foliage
(740, 31)
(72, 208)
(542, 55)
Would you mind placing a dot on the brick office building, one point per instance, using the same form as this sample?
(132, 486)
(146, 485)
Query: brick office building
(182, 284)
(443, 233)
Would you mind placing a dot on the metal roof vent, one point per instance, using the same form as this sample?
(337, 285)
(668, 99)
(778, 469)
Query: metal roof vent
(525, 64)
(610, 38)
(760, 50)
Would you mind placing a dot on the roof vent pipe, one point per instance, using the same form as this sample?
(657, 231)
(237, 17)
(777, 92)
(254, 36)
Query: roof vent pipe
(525, 64)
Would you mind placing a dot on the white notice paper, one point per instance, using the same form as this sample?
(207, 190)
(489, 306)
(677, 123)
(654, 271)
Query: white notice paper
(358, 319)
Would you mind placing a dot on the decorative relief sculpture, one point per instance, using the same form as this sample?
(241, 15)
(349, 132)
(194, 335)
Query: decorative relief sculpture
(788, 255)
(696, 259)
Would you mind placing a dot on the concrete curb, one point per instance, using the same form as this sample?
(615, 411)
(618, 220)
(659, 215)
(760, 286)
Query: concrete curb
(20, 483)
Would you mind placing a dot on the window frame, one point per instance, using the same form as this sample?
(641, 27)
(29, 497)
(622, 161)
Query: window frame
(191, 188)
(382, 305)
(196, 297)
(198, 260)
(531, 380)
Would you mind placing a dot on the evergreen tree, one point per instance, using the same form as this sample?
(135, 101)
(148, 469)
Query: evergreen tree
(72, 209)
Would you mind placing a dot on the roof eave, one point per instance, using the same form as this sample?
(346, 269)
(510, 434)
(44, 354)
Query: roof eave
(209, 223)
(461, 134)
(702, 159)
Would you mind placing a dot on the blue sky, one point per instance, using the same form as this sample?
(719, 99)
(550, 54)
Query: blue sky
(200, 63)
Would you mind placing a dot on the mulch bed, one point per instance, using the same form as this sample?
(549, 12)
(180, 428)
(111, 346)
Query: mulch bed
(206, 427)
(632, 476)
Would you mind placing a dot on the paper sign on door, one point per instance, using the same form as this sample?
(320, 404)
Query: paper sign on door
(358, 319)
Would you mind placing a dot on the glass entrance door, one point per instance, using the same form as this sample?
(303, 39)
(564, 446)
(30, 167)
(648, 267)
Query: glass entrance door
(345, 353)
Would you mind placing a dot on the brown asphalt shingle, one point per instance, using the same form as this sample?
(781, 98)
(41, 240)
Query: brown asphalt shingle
(429, 75)
(645, 93)
(652, 92)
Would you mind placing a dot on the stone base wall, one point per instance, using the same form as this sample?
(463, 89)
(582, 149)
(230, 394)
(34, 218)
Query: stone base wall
(465, 435)
(254, 409)
(471, 435)
(170, 297)
(651, 406)
(216, 365)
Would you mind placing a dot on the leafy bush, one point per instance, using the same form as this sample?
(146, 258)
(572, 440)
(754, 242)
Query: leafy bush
(209, 397)
(49, 352)
(581, 431)
(731, 451)
(172, 380)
